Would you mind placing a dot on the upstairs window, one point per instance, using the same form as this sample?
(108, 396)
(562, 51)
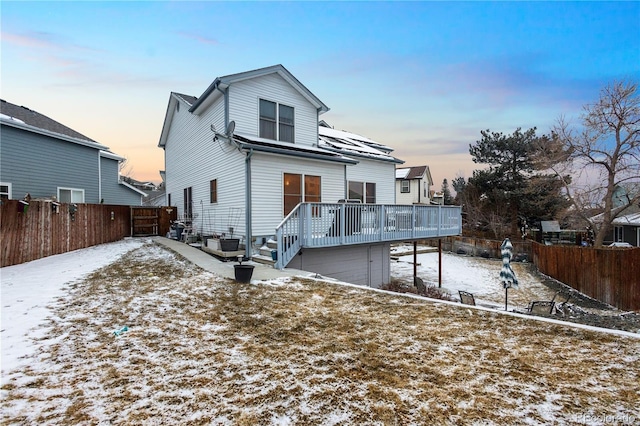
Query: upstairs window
(286, 123)
(404, 186)
(276, 121)
(267, 119)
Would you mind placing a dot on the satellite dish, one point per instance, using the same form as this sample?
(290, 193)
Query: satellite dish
(231, 127)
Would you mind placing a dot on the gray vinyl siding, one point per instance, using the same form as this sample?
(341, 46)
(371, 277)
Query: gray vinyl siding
(193, 159)
(114, 192)
(267, 177)
(383, 174)
(366, 265)
(244, 107)
(38, 165)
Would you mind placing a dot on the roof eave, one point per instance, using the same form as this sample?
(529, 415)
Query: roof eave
(49, 133)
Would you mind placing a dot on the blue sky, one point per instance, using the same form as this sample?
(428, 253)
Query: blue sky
(421, 77)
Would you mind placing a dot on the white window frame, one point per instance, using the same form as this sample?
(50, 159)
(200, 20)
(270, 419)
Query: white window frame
(407, 189)
(277, 120)
(618, 234)
(8, 193)
(76, 191)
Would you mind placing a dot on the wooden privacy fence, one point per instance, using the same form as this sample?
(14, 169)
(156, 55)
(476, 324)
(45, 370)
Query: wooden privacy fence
(482, 247)
(609, 275)
(44, 228)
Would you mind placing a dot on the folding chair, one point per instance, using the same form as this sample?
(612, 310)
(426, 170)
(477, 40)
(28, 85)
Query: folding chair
(467, 298)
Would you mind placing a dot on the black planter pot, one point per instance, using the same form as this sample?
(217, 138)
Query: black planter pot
(243, 273)
(229, 244)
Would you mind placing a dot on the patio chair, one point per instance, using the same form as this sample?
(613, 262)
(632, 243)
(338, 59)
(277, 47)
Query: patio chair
(419, 283)
(543, 307)
(467, 298)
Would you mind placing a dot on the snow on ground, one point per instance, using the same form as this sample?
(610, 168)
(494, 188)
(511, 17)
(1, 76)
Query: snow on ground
(29, 288)
(201, 349)
(476, 275)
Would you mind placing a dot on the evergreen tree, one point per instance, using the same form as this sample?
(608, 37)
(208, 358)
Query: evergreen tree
(446, 193)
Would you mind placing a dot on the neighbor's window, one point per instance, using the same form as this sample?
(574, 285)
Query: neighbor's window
(5, 191)
(370, 196)
(70, 195)
(276, 121)
(618, 235)
(213, 191)
(292, 192)
(356, 191)
(404, 186)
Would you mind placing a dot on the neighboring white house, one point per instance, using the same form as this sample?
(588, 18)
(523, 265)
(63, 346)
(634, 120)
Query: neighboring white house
(241, 158)
(413, 185)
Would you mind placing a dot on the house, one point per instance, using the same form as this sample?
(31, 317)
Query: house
(626, 229)
(626, 205)
(250, 159)
(413, 185)
(45, 159)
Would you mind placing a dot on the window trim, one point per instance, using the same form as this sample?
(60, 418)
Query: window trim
(213, 191)
(71, 190)
(8, 193)
(404, 190)
(303, 196)
(276, 122)
(187, 202)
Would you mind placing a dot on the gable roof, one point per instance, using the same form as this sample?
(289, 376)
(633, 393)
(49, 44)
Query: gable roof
(222, 83)
(416, 172)
(30, 120)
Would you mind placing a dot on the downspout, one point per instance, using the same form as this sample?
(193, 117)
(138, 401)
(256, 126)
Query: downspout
(419, 190)
(100, 177)
(247, 247)
(225, 93)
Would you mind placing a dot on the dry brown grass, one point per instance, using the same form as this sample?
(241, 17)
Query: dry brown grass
(204, 350)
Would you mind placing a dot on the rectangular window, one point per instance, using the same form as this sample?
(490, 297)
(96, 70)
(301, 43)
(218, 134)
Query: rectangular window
(404, 186)
(312, 189)
(356, 191)
(618, 234)
(371, 193)
(188, 204)
(292, 192)
(267, 119)
(5, 191)
(286, 124)
(276, 121)
(70, 195)
(213, 191)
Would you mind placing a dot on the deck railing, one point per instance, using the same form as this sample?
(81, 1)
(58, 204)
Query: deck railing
(316, 225)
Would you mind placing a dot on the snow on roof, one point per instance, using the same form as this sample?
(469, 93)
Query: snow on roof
(630, 219)
(351, 143)
(8, 117)
(402, 173)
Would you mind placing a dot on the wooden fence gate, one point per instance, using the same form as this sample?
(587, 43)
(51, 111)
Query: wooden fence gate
(151, 220)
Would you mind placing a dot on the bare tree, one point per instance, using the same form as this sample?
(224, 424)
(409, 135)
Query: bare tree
(602, 155)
